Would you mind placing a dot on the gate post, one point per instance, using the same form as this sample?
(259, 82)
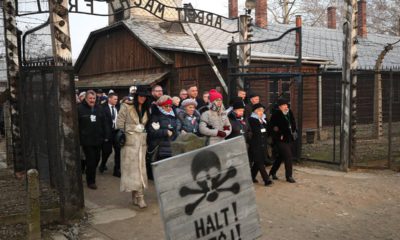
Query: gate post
(12, 59)
(232, 69)
(349, 90)
(245, 51)
(70, 182)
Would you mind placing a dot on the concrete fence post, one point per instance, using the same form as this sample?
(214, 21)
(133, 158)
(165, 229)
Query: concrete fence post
(33, 216)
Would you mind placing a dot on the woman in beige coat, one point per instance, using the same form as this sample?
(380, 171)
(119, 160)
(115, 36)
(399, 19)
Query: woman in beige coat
(132, 119)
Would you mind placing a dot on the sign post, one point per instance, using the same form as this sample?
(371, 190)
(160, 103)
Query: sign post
(208, 193)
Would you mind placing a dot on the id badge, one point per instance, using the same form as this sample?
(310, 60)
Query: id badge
(263, 130)
(93, 118)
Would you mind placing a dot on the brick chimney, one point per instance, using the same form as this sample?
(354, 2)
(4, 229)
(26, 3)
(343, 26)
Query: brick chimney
(332, 17)
(261, 13)
(233, 8)
(362, 18)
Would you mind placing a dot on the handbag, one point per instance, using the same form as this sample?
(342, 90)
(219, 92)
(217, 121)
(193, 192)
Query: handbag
(120, 137)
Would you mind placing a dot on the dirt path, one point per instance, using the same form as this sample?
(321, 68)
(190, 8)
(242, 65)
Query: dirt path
(323, 204)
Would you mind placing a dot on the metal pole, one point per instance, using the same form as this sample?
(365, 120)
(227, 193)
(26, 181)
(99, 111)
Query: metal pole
(390, 119)
(13, 67)
(70, 181)
(213, 66)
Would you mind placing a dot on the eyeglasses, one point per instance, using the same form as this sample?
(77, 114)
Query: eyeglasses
(167, 106)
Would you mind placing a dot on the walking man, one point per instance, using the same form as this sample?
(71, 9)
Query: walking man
(110, 114)
(284, 134)
(91, 135)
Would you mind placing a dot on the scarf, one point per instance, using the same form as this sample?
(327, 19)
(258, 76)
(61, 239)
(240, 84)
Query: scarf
(215, 108)
(165, 112)
(254, 115)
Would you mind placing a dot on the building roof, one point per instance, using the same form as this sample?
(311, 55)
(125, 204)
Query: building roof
(318, 43)
(121, 80)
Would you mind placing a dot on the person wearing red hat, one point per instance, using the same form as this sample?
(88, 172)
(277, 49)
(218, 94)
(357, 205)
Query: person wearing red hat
(214, 122)
(162, 129)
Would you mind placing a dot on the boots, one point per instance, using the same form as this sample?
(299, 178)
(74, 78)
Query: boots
(134, 199)
(138, 199)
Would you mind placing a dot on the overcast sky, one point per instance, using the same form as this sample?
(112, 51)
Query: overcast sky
(81, 25)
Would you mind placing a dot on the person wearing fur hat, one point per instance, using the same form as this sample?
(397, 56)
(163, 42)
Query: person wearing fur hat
(189, 117)
(162, 129)
(132, 119)
(238, 122)
(258, 143)
(214, 122)
(284, 134)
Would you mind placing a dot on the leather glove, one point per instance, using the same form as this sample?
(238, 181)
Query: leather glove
(227, 128)
(221, 134)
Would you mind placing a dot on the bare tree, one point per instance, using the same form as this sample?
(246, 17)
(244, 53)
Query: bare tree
(383, 16)
(283, 11)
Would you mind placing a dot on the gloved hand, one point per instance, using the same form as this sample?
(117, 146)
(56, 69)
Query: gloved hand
(227, 128)
(170, 133)
(221, 134)
(139, 128)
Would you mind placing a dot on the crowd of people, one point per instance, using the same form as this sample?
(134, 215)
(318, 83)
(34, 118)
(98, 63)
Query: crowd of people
(142, 125)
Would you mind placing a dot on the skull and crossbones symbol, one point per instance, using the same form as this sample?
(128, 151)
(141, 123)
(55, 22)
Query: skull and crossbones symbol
(206, 171)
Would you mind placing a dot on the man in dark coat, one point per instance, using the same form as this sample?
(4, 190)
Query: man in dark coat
(254, 99)
(91, 134)
(110, 114)
(284, 134)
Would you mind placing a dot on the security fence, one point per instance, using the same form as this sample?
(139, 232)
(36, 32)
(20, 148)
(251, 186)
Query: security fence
(376, 130)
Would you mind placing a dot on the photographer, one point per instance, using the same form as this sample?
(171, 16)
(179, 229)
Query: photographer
(284, 134)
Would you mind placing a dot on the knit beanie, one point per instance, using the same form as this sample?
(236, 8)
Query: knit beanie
(238, 105)
(214, 94)
(188, 102)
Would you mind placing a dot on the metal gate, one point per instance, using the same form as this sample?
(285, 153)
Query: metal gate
(271, 81)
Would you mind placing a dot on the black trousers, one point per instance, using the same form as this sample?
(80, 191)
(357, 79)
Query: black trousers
(284, 155)
(92, 155)
(106, 151)
(258, 165)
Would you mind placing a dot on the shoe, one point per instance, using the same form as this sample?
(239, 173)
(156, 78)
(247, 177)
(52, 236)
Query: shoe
(255, 180)
(117, 174)
(274, 177)
(138, 199)
(290, 179)
(268, 183)
(134, 199)
(92, 186)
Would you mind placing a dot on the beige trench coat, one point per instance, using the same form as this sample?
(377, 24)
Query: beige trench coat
(133, 153)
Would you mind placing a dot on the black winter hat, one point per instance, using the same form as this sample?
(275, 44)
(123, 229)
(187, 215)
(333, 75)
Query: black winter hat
(238, 105)
(282, 101)
(258, 105)
(142, 90)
